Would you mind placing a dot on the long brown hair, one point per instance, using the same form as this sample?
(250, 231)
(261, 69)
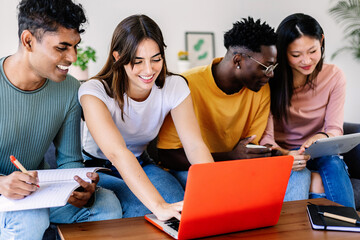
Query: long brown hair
(125, 40)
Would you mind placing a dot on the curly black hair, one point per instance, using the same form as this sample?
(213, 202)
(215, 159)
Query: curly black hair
(40, 16)
(250, 34)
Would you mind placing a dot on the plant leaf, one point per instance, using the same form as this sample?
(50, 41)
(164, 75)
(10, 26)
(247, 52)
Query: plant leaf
(347, 13)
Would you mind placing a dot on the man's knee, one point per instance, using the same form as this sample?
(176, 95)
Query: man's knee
(20, 224)
(105, 207)
(108, 204)
(42, 219)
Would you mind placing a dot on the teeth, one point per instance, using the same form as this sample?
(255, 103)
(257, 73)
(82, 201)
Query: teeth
(146, 78)
(62, 67)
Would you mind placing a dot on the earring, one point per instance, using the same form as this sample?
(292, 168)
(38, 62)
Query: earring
(238, 67)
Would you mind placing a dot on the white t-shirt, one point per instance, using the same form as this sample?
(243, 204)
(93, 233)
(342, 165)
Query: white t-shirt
(142, 120)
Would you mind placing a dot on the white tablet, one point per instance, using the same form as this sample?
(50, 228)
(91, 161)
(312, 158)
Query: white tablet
(333, 145)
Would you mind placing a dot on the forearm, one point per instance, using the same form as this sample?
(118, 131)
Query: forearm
(282, 150)
(243, 151)
(136, 179)
(231, 155)
(198, 153)
(223, 156)
(174, 159)
(189, 133)
(239, 151)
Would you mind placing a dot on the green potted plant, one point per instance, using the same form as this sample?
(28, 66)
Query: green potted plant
(79, 68)
(347, 13)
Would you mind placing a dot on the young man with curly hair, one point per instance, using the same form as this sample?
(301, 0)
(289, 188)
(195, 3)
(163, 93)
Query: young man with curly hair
(231, 98)
(40, 106)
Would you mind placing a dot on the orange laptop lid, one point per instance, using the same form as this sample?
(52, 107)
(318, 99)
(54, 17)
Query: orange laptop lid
(231, 196)
(236, 195)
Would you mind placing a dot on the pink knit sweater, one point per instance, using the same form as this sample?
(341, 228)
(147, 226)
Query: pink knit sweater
(311, 111)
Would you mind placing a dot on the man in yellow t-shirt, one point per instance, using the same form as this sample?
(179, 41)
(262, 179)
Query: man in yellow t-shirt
(231, 98)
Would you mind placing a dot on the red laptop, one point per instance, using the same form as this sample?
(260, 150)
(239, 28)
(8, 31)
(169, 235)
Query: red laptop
(230, 196)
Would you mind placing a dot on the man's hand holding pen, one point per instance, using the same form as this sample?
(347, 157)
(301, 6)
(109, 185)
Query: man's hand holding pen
(18, 185)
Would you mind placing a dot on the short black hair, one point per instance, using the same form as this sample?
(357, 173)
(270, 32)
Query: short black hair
(40, 16)
(250, 34)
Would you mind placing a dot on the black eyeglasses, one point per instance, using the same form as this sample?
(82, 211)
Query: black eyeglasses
(268, 69)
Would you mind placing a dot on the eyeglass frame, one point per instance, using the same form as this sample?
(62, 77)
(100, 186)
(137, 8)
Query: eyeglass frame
(268, 69)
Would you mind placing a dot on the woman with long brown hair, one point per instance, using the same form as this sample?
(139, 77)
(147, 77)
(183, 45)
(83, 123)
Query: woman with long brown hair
(124, 107)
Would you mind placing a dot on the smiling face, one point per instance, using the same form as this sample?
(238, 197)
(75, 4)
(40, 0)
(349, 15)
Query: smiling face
(253, 74)
(147, 67)
(53, 54)
(303, 55)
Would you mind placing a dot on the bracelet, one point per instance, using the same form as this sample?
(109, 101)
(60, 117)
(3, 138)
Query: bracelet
(324, 133)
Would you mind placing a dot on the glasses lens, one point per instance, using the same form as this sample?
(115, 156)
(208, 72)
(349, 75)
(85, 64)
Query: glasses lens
(270, 69)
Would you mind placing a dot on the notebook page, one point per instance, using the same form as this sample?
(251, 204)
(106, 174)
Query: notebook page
(56, 175)
(48, 195)
(56, 185)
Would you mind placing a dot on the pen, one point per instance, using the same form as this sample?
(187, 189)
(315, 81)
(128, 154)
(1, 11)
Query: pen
(18, 165)
(341, 218)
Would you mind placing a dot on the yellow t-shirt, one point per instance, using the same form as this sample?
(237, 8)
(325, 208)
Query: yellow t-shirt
(223, 119)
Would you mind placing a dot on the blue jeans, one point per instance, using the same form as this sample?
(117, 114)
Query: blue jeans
(168, 187)
(335, 178)
(31, 224)
(181, 176)
(298, 185)
(297, 189)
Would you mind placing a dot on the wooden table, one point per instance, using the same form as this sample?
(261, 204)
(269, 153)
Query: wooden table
(293, 224)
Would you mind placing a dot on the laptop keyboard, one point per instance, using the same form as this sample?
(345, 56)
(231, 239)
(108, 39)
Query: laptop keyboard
(173, 223)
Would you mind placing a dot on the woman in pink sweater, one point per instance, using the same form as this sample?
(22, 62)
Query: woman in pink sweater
(307, 103)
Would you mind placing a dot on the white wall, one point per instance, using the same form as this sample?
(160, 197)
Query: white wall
(175, 17)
